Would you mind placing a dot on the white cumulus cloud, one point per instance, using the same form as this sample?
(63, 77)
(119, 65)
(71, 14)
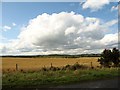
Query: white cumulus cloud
(5, 28)
(111, 23)
(62, 33)
(69, 30)
(110, 40)
(95, 5)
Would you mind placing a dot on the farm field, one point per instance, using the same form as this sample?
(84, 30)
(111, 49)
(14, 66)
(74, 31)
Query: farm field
(50, 78)
(37, 63)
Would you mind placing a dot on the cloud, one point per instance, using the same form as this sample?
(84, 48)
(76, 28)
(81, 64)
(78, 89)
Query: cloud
(5, 28)
(70, 30)
(95, 5)
(107, 40)
(62, 33)
(60, 30)
(14, 24)
(2, 38)
(114, 8)
(111, 23)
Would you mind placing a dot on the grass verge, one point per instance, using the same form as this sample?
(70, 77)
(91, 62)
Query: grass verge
(43, 79)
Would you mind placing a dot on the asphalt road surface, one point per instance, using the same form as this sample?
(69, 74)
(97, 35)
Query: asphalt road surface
(107, 83)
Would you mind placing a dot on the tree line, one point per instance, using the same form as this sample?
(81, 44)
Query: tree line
(56, 56)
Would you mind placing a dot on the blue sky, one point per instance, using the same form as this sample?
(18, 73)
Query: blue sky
(16, 15)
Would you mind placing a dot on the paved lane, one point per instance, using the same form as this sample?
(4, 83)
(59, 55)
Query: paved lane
(108, 83)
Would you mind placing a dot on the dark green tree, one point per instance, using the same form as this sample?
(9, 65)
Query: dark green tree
(105, 59)
(115, 57)
(108, 57)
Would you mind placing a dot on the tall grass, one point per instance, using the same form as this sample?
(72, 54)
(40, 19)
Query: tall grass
(50, 78)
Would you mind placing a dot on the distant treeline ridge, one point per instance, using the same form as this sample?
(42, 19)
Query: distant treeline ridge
(57, 55)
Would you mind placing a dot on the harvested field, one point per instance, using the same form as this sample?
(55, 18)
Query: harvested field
(37, 63)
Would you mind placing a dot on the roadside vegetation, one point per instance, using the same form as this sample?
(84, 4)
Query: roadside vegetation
(53, 76)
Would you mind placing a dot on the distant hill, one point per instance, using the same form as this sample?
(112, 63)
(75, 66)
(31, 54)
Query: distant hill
(56, 56)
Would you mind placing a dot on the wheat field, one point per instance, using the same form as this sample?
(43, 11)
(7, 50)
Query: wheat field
(37, 63)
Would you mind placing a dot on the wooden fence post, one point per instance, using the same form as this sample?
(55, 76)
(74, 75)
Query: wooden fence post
(51, 64)
(16, 67)
(91, 65)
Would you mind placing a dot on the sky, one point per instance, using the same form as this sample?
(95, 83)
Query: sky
(33, 28)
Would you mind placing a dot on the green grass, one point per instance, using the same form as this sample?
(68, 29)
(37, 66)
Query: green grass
(51, 78)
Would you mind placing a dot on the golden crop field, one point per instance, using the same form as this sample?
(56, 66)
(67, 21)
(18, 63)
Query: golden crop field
(37, 63)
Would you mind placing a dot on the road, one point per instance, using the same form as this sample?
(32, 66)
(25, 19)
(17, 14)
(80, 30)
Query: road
(108, 83)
